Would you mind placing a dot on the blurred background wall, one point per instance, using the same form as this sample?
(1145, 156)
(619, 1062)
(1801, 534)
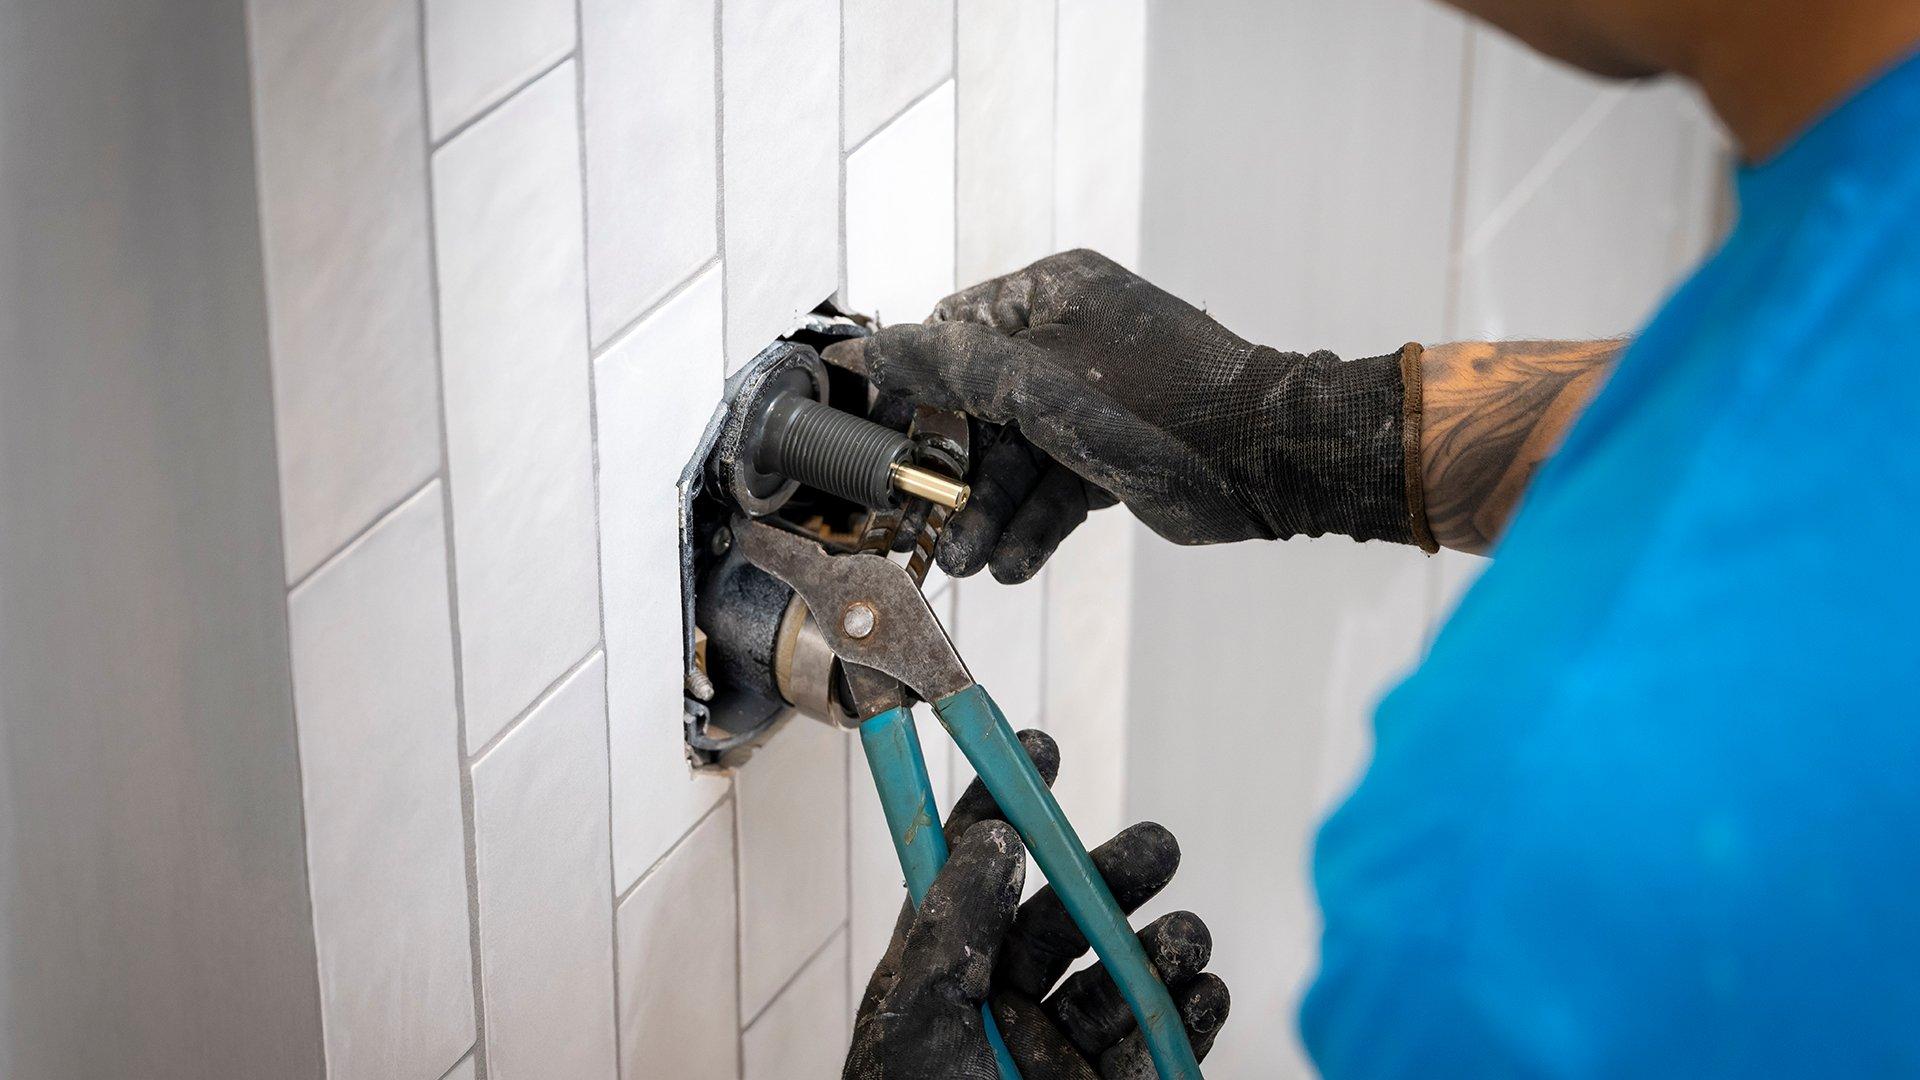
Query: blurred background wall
(1352, 176)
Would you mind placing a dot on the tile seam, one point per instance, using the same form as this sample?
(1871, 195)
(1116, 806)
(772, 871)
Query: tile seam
(494, 107)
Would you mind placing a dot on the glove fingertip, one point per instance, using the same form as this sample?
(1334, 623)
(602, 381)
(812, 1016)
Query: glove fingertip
(1044, 751)
(1015, 561)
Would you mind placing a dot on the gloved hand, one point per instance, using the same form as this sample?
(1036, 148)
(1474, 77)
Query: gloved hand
(972, 938)
(1099, 386)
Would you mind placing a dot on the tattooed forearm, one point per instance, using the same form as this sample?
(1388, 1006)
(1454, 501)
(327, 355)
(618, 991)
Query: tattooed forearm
(1493, 412)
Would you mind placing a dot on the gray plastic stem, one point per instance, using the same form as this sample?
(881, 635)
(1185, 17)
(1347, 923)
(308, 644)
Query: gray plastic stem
(835, 451)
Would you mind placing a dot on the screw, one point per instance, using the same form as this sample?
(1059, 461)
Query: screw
(858, 619)
(722, 541)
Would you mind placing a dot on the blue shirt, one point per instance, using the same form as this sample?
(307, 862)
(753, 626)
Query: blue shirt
(1651, 807)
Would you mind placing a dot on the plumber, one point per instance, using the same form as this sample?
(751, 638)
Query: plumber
(1651, 806)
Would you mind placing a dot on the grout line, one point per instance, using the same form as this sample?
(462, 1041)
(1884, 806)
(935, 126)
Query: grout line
(720, 174)
(888, 122)
(840, 162)
(678, 842)
(494, 107)
(364, 531)
(1053, 139)
(653, 308)
(1544, 169)
(739, 947)
(842, 927)
(539, 699)
(471, 1051)
(953, 279)
(468, 837)
(593, 466)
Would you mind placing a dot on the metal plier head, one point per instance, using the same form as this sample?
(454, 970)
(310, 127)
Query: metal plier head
(869, 609)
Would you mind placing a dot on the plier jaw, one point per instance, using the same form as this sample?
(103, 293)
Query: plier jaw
(869, 609)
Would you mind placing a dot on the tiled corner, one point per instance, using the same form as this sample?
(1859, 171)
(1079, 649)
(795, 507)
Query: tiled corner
(1089, 614)
(514, 361)
(1099, 126)
(339, 131)
(545, 908)
(1005, 115)
(372, 652)
(652, 159)
(678, 926)
(791, 798)
(478, 51)
(896, 50)
(655, 387)
(780, 76)
(804, 1034)
(900, 214)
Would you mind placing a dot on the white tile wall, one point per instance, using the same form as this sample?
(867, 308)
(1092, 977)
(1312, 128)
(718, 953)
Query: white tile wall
(780, 97)
(479, 51)
(900, 214)
(652, 154)
(507, 215)
(895, 51)
(372, 655)
(791, 799)
(545, 903)
(1001, 630)
(551, 193)
(339, 131)
(803, 1036)
(1005, 57)
(679, 919)
(1099, 127)
(1089, 604)
(656, 387)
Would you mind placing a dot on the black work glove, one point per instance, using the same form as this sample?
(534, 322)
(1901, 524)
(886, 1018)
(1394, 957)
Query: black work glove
(971, 938)
(1100, 386)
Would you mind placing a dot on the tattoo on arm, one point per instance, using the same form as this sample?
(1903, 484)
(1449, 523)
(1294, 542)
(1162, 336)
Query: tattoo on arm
(1493, 412)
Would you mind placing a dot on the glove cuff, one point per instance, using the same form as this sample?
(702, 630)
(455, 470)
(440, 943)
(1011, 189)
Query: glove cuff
(1341, 449)
(1412, 417)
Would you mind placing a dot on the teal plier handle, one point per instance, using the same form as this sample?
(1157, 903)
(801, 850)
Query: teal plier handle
(982, 733)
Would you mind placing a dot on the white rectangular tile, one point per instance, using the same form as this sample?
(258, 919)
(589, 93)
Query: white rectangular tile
(791, 798)
(1099, 126)
(896, 50)
(372, 653)
(803, 1035)
(478, 51)
(656, 386)
(679, 992)
(900, 214)
(1001, 631)
(1005, 116)
(339, 130)
(545, 908)
(781, 167)
(652, 159)
(1089, 623)
(514, 361)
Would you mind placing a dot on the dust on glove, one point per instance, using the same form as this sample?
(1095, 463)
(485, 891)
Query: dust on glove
(1094, 386)
(972, 941)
